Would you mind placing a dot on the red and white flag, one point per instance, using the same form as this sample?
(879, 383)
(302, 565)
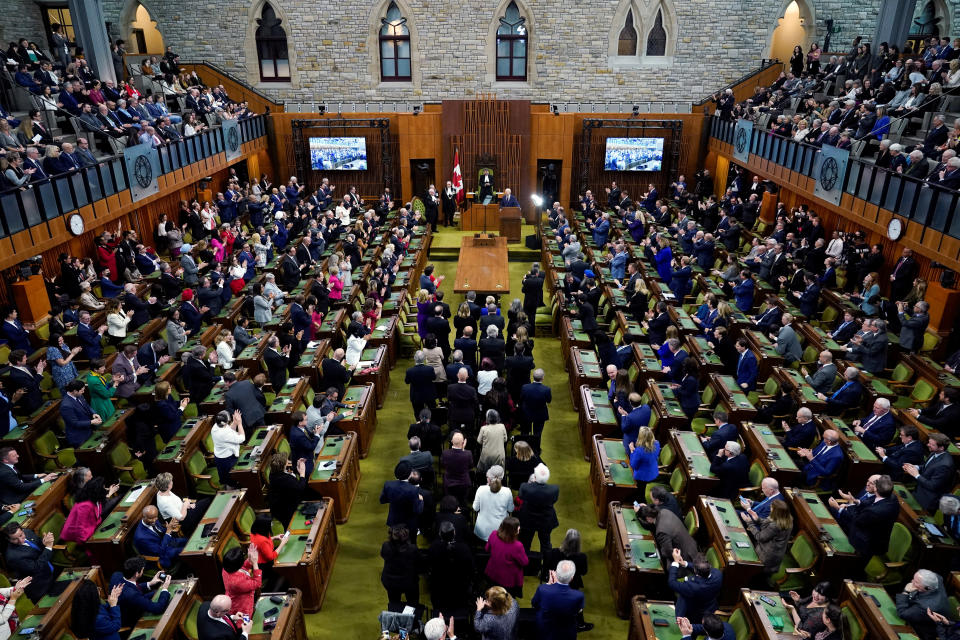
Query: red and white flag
(457, 178)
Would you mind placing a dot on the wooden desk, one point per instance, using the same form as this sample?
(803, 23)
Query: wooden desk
(385, 334)
(933, 371)
(632, 558)
(94, 452)
(359, 415)
(164, 626)
(732, 542)
(216, 400)
(253, 464)
(108, 544)
(771, 454)
(29, 429)
(935, 551)
(510, 221)
(51, 616)
(573, 335)
(597, 417)
(763, 615)
(667, 414)
(173, 457)
(584, 371)
(289, 615)
(167, 372)
(331, 328)
(336, 473)
(814, 517)
(483, 269)
(877, 610)
(307, 558)
(309, 364)
(611, 478)
(805, 395)
(709, 361)
(480, 217)
(818, 338)
(646, 365)
(45, 500)
(374, 368)
(764, 350)
(250, 357)
(202, 552)
(643, 612)
(732, 398)
(292, 397)
(694, 464)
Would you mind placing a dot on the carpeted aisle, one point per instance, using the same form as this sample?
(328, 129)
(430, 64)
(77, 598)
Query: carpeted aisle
(355, 596)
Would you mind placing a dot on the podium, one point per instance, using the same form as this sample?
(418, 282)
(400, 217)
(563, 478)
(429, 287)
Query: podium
(510, 220)
(30, 296)
(480, 217)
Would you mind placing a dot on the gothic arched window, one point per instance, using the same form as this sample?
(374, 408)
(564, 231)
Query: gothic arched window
(657, 38)
(272, 47)
(627, 43)
(512, 45)
(394, 46)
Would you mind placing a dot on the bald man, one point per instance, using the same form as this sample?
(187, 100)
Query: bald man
(152, 538)
(823, 461)
(334, 373)
(456, 462)
(215, 623)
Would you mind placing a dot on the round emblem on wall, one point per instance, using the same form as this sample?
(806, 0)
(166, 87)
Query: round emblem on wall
(829, 174)
(142, 172)
(233, 139)
(741, 140)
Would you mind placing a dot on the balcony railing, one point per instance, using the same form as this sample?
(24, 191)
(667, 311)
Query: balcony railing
(926, 204)
(65, 193)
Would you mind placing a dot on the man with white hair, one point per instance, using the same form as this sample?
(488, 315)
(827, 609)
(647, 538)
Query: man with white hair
(949, 178)
(437, 629)
(731, 469)
(214, 621)
(558, 605)
(916, 166)
(801, 434)
(897, 159)
(936, 137)
(758, 509)
(925, 592)
(538, 514)
(270, 286)
(876, 429)
(950, 508)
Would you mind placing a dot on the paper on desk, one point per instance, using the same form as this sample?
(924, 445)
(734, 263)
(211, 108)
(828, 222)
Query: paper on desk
(133, 495)
(932, 528)
(312, 344)
(408, 611)
(293, 381)
(381, 327)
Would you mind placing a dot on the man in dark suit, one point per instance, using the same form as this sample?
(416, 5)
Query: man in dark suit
(944, 416)
(214, 621)
(7, 400)
(846, 328)
(303, 440)
(277, 360)
(901, 278)
(913, 327)
(29, 555)
(558, 605)
(197, 375)
(823, 461)
(534, 400)
(20, 376)
(870, 523)
(724, 432)
(78, 417)
(532, 287)
(770, 317)
(151, 356)
(462, 403)
(731, 468)
(440, 328)
(448, 200)
(137, 597)
(16, 486)
(538, 514)
(509, 200)
(876, 429)
(801, 434)
(151, 538)
(657, 323)
(697, 594)
(290, 270)
(334, 374)
(248, 399)
(936, 137)
(16, 335)
(870, 349)
(936, 476)
(909, 451)
(713, 628)
(746, 366)
(468, 346)
(404, 499)
(847, 396)
(420, 377)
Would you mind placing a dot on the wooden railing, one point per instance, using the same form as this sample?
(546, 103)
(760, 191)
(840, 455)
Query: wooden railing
(744, 86)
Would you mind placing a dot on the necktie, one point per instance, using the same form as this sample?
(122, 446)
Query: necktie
(869, 422)
(740, 361)
(33, 545)
(834, 396)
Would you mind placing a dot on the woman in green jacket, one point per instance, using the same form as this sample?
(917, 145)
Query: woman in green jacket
(102, 390)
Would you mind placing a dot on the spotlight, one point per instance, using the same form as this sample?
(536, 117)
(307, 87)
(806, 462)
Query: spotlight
(416, 109)
(555, 109)
(537, 200)
(322, 109)
(636, 110)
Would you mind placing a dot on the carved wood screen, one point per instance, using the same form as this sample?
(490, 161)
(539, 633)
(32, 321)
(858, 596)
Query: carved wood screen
(486, 142)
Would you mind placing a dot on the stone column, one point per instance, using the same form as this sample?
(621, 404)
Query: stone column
(91, 32)
(893, 23)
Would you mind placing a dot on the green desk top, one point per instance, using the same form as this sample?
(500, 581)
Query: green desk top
(293, 550)
(838, 538)
(94, 440)
(906, 496)
(729, 516)
(736, 393)
(264, 604)
(777, 610)
(322, 472)
(709, 354)
(16, 434)
(784, 461)
(109, 526)
(67, 576)
(619, 475)
(353, 394)
(888, 609)
(332, 445)
(632, 523)
(171, 451)
(639, 548)
(816, 505)
(857, 446)
(698, 458)
(299, 521)
(601, 403)
(380, 331)
(742, 553)
(614, 450)
(155, 597)
(30, 622)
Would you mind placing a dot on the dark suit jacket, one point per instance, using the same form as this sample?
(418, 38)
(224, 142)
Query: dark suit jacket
(871, 525)
(944, 418)
(404, 501)
(538, 511)
(910, 453)
(732, 473)
(24, 560)
(557, 606)
(199, 379)
(148, 358)
(334, 374)
(420, 378)
(245, 396)
(880, 432)
(153, 543)
(302, 445)
(15, 486)
(90, 340)
(657, 328)
(534, 400)
(32, 399)
(462, 405)
(845, 397)
(747, 370)
(209, 629)
(76, 419)
(671, 533)
(284, 495)
(719, 438)
(912, 329)
(469, 348)
(935, 479)
(695, 595)
(801, 435)
(823, 465)
(135, 600)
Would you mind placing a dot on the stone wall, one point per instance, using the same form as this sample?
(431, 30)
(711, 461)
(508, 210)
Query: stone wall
(333, 45)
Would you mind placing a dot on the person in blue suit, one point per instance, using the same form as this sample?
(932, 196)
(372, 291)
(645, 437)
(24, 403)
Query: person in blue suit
(618, 262)
(630, 423)
(703, 249)
(137, 596)
(601, 230)
(746, 366)
(909, 451)
(822, 461)
(534, 400)
(303, 440)
(724, 432)
(78, 417)
(712, 628)
(697, 595)
(688, 390)
(731, 468)
(663, 259)
(508, 199)
(743, 291)
(761, 508)
(680, 279)
(809, 298)
(801, 434)
(405, 500)
(301, 320)
(847, 396)
(17, 337)
(558, 605)
(876, 429)
(150, 538)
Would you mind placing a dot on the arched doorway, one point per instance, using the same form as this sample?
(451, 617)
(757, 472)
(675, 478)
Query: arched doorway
(791, 30)
(144, 38)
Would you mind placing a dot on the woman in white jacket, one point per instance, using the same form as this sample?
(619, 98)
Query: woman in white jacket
(117, 321)
(8, 604)
(225, 350)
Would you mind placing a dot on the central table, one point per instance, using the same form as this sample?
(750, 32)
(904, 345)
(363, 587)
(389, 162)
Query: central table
(483, 266)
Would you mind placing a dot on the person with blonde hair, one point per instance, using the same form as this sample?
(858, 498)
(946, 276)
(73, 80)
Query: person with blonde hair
(497, 615)
(225, 354)
(644, 460)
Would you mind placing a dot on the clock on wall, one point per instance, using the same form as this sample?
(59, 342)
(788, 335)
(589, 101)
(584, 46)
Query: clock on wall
(75, 224)
(894, 228)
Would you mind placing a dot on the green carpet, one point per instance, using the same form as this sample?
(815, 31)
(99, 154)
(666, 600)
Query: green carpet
(355, 596)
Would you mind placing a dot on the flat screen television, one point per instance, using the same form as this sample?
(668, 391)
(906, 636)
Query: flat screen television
(634, 154)
(338, 154)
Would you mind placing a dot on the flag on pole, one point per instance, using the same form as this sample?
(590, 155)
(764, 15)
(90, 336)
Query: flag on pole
(457, 178)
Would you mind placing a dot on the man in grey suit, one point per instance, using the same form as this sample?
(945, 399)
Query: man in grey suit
(191, 269)
(871, 348)
(126, 364)
(913, 327)
(822, 379)
(244, 396)
(788, 345)
(419, 460)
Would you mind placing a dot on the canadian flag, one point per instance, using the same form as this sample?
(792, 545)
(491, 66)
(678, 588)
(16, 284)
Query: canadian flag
(457, 177)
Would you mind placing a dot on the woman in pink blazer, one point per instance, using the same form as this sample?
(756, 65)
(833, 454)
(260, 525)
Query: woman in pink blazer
(507, 557)
(87, 512)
